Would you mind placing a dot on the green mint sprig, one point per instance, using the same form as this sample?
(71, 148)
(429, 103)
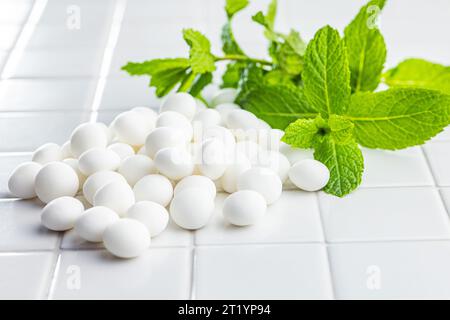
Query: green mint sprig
(321, 93)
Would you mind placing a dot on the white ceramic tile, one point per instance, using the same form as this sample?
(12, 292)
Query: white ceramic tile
(293, 218)
(404, 270)
(443, 136)
(24, 275)
(58, 12)
(446, 196)
(126, 92)
(401, 33)
(25, 131)
(173, 236)
(58, 63)
(21, 229)
(60, 36)
(395, 168)
(46, 94)
(157, 274)
(3, 56)
(107, 116)
(7, 164)
(439, 156)
(73, 24)
(262, 272)
(8, 36)
(385, 214)
(143, 11)
(14, 11)
(149, 35)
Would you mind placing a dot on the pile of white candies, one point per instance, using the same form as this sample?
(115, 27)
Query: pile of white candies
(114, 184)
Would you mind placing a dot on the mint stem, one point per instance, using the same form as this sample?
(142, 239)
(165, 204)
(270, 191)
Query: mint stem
(237, 57)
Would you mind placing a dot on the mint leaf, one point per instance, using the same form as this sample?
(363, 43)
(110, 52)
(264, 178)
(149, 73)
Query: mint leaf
(232, 75)
(279, 77)
(260, 18)
(278, 105)
(301, 133)
(419, 73)
(289, 56)
(398, 118)
(306, 133)
(341, 129)
(345, 162)
(366, 48)
(200, 57)
(165, 73)
(201, 82)
(229, 44)
(326, 74)
(233, 6)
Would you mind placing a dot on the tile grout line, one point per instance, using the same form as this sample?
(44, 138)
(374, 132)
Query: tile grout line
(53, 274)
(193, 266)
(108, 53)
(23, 38)
(322, 225)
(427, 160)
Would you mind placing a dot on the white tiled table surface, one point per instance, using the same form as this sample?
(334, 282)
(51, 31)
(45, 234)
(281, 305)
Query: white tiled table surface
(389, 239)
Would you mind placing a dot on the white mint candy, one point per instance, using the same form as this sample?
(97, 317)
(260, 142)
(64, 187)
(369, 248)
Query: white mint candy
(277, 162)
(244, 207)
(55, 180)
(164, 137)
(93, 222)
(218, 133)
(190, 209)
(117, 195)
(214, 158)
(153, 215)
(180, 102)
(123, 150)
(98, 180)
(87, 136)
(135, 167)
(233, 171)
(46, 153)
(108, 131)
(262, 180)
(21, 180)
(65, 150)
(242, 119)
(207, 118)
(149, 115)
(201, 182)
(295, 155)
(174, 163)
(132, 128)
(98, 159)
(227, 95)
(176, 120)
(309, 175)
(60, 214)
(225, 108)
(272, 139)
(154, 187)
(126, 238)
(251, 150)
(74, 164)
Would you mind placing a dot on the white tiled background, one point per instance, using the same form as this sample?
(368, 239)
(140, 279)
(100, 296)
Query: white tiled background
(389, 239)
